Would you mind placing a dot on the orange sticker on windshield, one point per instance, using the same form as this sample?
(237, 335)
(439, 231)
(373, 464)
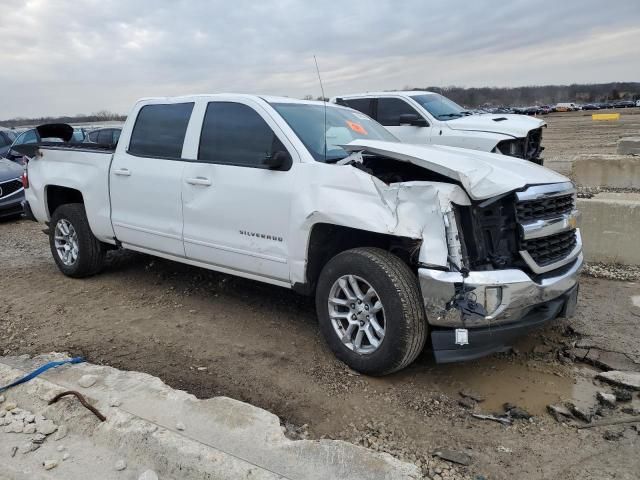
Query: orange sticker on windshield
(356, 127)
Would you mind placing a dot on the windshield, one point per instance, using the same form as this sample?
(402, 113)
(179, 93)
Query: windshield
(440, 107)
(342, 126)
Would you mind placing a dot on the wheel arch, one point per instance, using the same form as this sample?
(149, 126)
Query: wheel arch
(326, 240)
(56, 195)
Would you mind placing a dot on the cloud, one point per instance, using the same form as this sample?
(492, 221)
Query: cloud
(65, 57)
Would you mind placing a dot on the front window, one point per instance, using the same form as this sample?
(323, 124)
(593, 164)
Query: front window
(323, 139)
(440, 107)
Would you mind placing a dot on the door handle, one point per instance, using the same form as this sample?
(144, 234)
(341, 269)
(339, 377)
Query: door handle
(125, 172)
(199, 181)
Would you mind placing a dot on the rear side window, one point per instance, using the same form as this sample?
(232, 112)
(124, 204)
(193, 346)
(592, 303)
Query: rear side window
(105, 137)
(160, 129)
(390, 109)
(234, 134)
(361, 104)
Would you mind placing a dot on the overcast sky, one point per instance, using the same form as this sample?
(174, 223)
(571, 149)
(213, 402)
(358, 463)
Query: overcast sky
(81, 56)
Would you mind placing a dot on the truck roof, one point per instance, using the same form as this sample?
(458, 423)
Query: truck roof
(266, 98)
(391, 92)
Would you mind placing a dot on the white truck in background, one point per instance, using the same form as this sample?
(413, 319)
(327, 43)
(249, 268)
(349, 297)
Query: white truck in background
(399, 243)
(429, 118)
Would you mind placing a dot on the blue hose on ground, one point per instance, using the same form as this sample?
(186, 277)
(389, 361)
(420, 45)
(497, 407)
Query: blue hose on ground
(40, 370)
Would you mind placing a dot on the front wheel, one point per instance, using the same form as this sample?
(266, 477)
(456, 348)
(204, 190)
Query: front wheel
(370, 310)
(76, 251)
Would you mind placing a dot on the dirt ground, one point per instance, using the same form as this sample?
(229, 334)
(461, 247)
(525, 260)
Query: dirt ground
(213, 334)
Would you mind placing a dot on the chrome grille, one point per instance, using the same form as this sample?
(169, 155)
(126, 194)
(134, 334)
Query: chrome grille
(547, 217)
(545, 207)
(9, 188)
(548, 250)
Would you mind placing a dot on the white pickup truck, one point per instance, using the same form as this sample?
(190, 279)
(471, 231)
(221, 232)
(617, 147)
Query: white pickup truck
(429, 118)
(399, 243)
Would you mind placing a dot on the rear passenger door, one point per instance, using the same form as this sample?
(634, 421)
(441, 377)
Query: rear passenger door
(146, 180)
(236, 211)
(388, 113)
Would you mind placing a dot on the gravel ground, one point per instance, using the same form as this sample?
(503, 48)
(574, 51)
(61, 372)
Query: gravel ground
(213, 334)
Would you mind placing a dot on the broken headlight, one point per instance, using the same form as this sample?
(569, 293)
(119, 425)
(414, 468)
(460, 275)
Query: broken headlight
(513, 148)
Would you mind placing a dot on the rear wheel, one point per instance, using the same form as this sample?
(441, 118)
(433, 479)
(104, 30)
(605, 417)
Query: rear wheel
(370, 310)
(76, 251)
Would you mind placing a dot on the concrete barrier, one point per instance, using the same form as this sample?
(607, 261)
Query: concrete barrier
(605, 116)
(595, 170)
(610, 226)
(629, 146)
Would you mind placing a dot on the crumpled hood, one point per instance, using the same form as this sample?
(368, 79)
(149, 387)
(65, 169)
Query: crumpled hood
(9, 170)
(482, 175)
(515, 125)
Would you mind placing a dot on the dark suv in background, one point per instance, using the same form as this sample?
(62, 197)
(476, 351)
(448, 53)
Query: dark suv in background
(7, 137)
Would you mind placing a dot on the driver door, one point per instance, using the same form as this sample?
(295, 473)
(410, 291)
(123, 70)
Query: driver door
(388, 112)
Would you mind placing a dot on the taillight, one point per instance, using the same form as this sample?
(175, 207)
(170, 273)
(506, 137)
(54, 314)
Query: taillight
(25, 179)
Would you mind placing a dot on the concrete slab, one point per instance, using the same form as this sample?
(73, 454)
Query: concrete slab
(153, 426)
(617, 171)
(629, 146)
(610, 226)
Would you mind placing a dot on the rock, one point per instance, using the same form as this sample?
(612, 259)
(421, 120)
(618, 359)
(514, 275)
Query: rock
(46, 427)
(2, 399)
(29, 418)
(559, 411)
(148, 475)
(87, 381)
(49, 464)
(460, 458)
(606, 399)
(468, 403)
(39, 438)
(28, 447)
(577, 353)
(65, 456)
(581, 413)
(612, 435)
(625, 379)
(517, 412)
(14, 450)
(9, 406)
(115, 402)
(180, 426)
(623, 395)
(60, 448)
(120, 465)
(610, 360)
(503, 449)
(14, 427)
(2, 413)
(60, 433)
(29, 428)
(472, 395)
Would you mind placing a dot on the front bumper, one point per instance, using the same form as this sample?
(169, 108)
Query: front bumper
(511, 298)
(11, 205)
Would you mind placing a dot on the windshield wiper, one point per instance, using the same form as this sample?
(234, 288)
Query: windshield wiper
(448, 115)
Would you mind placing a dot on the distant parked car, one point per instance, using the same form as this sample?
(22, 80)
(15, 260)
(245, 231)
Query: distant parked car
(11, 189)
(591, 106)
(624, 104)
(32, 136)
(7, 137)
(637, 103)
(104, 136)
(565, 107)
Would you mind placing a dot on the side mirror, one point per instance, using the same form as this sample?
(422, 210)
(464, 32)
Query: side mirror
(280, 160)
(413, 119)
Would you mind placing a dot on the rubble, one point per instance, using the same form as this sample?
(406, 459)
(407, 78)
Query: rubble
(607, 399)
(625, 379)
(460, 458)
(559, 412)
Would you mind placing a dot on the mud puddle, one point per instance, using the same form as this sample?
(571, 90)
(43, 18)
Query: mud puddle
(525, 380)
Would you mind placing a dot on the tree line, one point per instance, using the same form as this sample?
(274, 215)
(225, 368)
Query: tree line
(101, 116)
(539, 94)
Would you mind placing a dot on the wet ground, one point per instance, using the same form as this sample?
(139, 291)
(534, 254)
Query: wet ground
(261, 344)
(212, 334)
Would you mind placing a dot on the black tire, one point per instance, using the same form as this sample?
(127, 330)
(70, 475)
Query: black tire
(398, 290)
(91, 251)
